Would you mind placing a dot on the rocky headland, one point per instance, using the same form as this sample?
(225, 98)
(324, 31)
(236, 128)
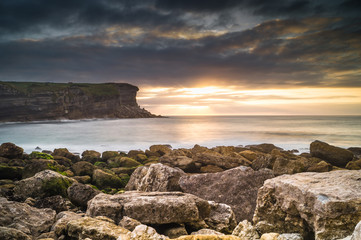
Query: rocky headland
(30, 101)
(258, 192)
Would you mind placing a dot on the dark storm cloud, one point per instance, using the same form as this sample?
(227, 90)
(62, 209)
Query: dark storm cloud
(35, 15)
(167, 43)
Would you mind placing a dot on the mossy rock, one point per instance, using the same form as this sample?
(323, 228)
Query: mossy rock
(83, 168)
(103, 180)
(40, 155)
(124, 178)
(8, 172)
(109, 154)
(354, 165)
(37, 165)
(133, 153)
(56, 186)
(121, 170)
(141, 158)
(90, 156)
(63, 152)
(63, 161)
(123, 162)
(101, 164)
(83, 179)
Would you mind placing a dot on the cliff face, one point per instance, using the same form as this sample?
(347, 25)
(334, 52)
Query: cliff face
(21, 101)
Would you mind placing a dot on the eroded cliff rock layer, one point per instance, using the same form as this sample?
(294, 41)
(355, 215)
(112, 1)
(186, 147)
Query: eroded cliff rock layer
(30, 101)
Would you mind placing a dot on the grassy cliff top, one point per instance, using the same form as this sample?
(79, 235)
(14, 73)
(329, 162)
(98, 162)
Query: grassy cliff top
(101, 89)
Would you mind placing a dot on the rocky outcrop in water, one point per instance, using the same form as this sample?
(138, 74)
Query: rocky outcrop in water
(30, 101)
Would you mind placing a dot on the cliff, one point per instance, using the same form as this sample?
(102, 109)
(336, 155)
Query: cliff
(30, 101)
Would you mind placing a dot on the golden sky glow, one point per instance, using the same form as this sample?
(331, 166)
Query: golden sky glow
(232, 100)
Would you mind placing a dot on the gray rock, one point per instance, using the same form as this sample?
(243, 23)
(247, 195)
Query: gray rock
(79, 194)
(62, 219)
(150, 208)
(183, 162)
(95, 229)
(29, 220)
(12, 234)
(129, 223)
(221, 218)
(290, 236)
(246, 231)
(155, 178)
(44, 184)
(143, 232)
(335, 155)
(205, 231)
(57, 203)
(357, 232)
(319, 205)
(236, 187)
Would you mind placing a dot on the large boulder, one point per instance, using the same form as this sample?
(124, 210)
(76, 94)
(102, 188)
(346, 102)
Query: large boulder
(155, 178)
(29, 220)
(44, 184)
(79, 194)
(10, 150)
(236, 187)
(150, 208)
(317, 205)
(95, 229)
(335, 155)
(12, 234)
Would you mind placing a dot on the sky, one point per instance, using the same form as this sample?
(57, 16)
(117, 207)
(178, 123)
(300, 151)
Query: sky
(194, 57)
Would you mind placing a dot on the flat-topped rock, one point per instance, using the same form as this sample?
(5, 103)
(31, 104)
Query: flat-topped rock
(150, 207)
(321, 205)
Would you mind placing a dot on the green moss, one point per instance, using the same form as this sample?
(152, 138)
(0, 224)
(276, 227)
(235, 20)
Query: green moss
(56, 169)
(56, 186)
(100, 164)
(40, 155)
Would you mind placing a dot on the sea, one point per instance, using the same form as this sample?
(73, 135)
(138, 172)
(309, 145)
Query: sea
(287, 132)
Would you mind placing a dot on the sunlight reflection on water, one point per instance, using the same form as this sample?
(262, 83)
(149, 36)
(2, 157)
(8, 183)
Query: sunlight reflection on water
(289, 132)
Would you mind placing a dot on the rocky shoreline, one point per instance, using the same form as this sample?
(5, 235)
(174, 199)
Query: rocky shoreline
(258, 192)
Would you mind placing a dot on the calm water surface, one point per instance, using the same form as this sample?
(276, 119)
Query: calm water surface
(288, 132)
